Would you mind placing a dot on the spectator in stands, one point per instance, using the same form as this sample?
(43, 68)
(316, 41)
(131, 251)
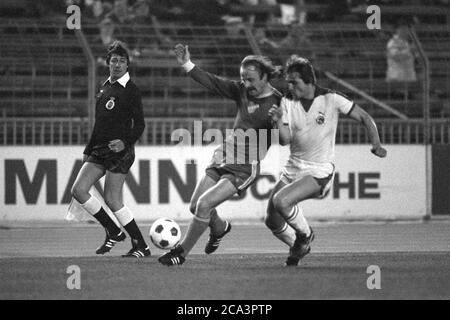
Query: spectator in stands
(401, 55)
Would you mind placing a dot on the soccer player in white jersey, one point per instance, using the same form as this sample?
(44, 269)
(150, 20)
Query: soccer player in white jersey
(307, 119)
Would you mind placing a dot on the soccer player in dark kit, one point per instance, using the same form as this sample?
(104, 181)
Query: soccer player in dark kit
(234, 166)
(119, 122)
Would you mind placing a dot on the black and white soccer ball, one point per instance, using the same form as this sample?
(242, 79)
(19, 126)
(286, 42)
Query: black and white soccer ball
(165, 233)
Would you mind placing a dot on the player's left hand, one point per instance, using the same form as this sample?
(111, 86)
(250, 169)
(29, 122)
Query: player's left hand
(379, 151)
(276, 112)
(116, 145)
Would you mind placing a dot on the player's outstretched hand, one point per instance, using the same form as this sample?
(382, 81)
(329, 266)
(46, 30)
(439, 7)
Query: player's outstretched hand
(182, 53)
(276, 112)
(379, 151)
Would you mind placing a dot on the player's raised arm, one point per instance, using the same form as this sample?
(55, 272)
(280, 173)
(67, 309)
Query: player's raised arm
(363, 117)
(225, 87)
(182, 54)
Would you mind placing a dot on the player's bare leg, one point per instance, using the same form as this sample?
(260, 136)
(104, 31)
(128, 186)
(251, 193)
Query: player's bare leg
(275, 221)
(88, 175)
(285, 202)
(213, 197)
(216, 224)
(219, 227)
(114, 199)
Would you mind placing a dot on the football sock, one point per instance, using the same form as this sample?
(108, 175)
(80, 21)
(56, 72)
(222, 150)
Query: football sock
(126, 219)
(94, 207)
(297, 221)
(216, 223)
(135, 234)
(196, 228)
(286, 234)
(124, 215)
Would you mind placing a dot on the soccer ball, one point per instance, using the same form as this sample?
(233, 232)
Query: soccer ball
(165, 233)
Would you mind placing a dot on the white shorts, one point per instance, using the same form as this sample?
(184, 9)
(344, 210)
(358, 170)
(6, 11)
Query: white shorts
(295, 170)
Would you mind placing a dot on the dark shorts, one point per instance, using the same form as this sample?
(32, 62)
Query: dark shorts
(241, 176)
(119, 162)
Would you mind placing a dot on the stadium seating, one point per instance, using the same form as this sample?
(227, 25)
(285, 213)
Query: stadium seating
(44, 71)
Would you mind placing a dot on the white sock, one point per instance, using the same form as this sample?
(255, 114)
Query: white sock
(286, 234)
(92, 206)
(298, 222)
(124, 215)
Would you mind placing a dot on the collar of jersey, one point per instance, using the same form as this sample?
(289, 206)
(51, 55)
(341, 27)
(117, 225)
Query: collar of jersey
(122, 80)
(268, 94)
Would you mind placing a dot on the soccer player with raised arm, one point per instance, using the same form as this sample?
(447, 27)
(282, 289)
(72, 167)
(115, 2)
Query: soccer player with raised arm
(307, 119)
(119, 122)
(234, 166)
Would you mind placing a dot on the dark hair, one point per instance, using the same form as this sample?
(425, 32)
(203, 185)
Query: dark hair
(119, 48)
(263, 64)
(304, 68)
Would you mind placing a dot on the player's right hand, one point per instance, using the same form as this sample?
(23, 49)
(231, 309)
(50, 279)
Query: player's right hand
(276, 113)
(182, 53)
(379, 151)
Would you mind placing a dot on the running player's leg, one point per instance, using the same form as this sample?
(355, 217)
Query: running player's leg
(88, 175)
(114, 199)
(275, 222)
(285, 202)
(222, 191)
(216, 224)
(286, 199)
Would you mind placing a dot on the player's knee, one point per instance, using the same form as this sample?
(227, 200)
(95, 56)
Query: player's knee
(203, 208)
(280, 203)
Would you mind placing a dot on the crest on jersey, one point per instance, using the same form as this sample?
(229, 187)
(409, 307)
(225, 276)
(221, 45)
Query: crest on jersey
(110, 104)
(252, 108)
(320, 118)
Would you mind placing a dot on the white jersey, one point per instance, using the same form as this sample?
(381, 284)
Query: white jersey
(313, 132)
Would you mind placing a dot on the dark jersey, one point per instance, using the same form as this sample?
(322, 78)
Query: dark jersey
(118, 115)
(251, 135)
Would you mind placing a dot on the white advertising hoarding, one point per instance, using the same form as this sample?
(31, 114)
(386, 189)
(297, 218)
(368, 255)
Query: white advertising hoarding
(35, 183)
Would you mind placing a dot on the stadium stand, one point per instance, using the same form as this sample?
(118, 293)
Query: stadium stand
(44, 71)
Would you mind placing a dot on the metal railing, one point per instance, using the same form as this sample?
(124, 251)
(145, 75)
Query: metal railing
(158, 131)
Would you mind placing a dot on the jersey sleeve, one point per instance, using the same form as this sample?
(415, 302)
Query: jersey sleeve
(343, 104)
(225, 87)
(137, 115)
